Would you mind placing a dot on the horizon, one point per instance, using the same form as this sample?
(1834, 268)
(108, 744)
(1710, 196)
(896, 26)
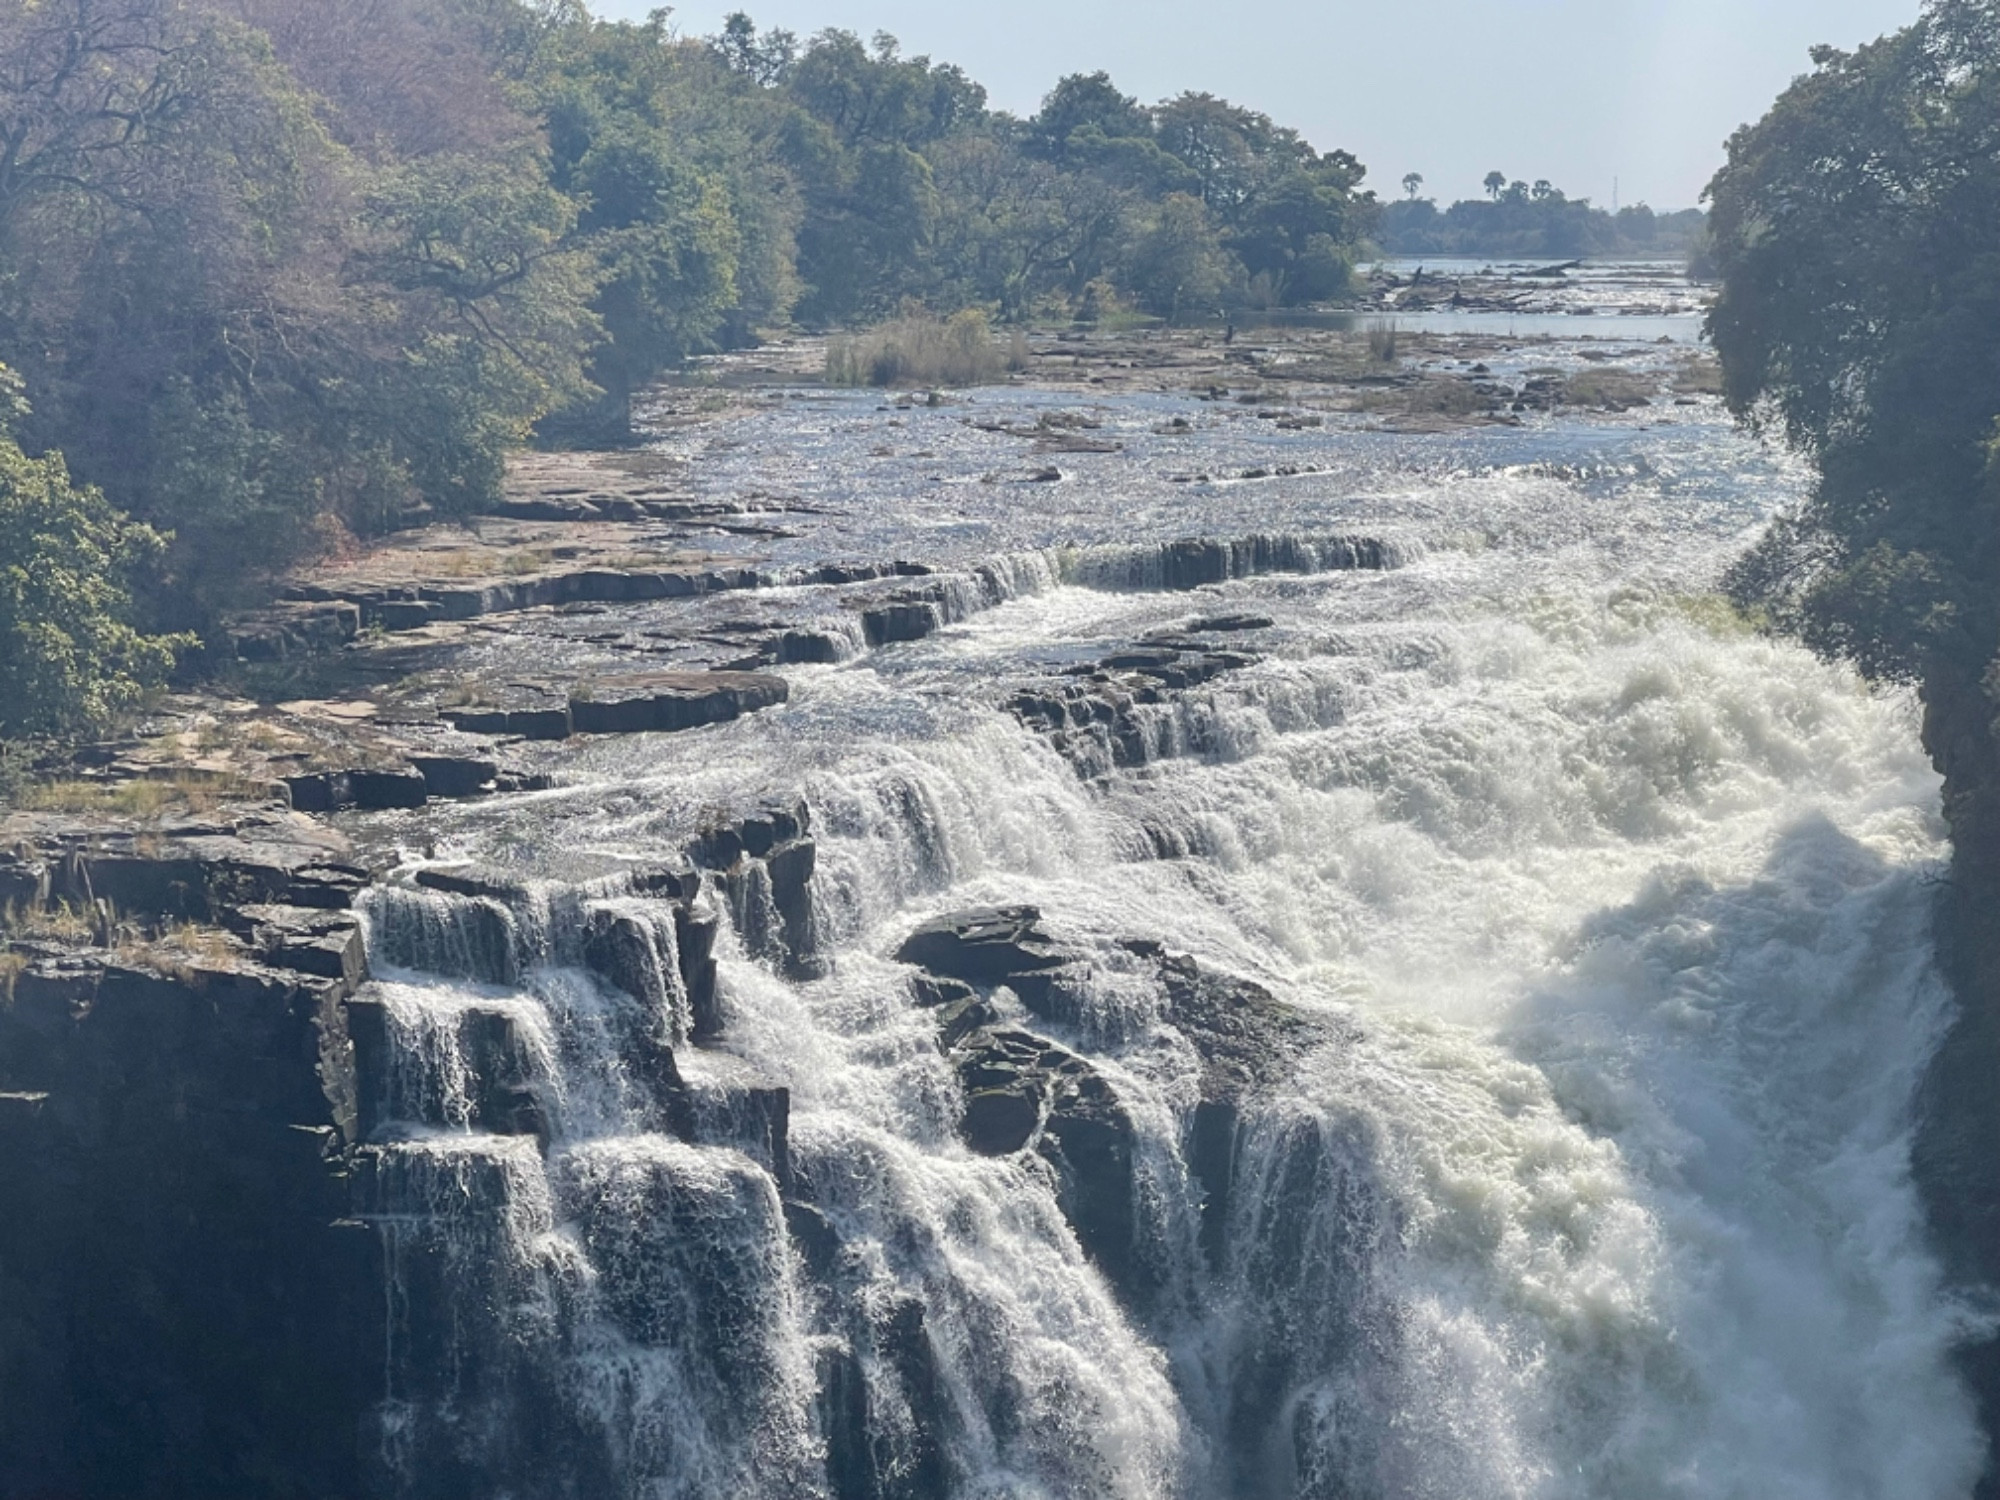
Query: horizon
(1652, 133)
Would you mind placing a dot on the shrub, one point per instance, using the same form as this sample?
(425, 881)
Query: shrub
(69, 657)
(918, 349)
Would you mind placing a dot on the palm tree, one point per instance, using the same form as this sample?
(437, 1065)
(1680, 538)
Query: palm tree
(1496, 184)
(1413, 184)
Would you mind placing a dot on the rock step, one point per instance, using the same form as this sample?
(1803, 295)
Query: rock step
(648, 702)
(321, 617)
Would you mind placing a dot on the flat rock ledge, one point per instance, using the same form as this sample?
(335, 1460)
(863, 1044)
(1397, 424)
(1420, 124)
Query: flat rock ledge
(649, 702)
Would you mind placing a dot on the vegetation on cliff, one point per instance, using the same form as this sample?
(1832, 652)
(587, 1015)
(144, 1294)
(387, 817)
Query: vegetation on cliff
(276, 273)
(69, 658)
(1857, 232)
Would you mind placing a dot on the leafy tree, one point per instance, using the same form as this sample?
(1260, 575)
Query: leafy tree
(1496, 184)
(244, 331)
(1013, 230)
(1857, 233)
(1178, 266)
(765, 60)
(280, 271)
(1085, 102)
(70, 658)
(1413, 184)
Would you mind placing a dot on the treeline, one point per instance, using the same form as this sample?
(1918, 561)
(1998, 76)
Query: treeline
(277, 273)
(1516, 219)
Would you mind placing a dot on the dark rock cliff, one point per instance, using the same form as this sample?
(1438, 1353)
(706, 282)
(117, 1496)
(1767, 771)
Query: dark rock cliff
(185, 1306)
(1958, 1149)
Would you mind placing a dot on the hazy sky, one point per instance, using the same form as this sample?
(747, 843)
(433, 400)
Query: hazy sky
(1577, 91)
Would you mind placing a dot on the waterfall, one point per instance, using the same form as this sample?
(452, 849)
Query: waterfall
(1467, 1048)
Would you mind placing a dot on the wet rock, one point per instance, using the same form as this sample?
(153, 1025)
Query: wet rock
(930, 990)
(1000, 1121)
(310, 940)
(841, 1406)
(388, 788)
(472, 880)
(694, 936)
(790, 867)
(983, 947)
(667, 701)
(961, 1018)
(1248, 1038)
(773, 825)
(1023, 1090)
(523, 710)
(1211, 1158)
(457, 775)
(1097, 720)
(1223, 624)
(903, 620)
(320, 791)
(807, 646)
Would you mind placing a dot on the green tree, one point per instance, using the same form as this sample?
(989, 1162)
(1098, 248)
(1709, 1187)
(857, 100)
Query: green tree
(1178, 267)
(1856, 229)
(1496, 184)
(1085, 102)
(70, 658)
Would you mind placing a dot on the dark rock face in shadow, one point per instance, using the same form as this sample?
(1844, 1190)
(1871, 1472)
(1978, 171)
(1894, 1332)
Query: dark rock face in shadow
(1958, 1146)
(190, 1307)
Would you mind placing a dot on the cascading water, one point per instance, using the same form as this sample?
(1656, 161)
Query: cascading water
(1586, 938)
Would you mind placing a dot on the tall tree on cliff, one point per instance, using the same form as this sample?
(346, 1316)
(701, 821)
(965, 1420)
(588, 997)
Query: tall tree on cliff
(1857, 235)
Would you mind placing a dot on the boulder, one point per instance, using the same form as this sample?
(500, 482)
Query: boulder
(457, 775)
(401, 786)
(987, 946)
(901, 620)
(999, 1122)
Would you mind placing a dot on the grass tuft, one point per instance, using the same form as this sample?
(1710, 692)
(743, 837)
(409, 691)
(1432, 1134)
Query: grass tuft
(144, 797)
(918, 349)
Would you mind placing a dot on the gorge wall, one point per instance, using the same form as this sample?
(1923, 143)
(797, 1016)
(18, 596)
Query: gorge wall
(1958, 1151)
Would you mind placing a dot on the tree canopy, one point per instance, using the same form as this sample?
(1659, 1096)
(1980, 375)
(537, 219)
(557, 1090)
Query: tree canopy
(276, 273)
(1524, 219)
(1856, 228)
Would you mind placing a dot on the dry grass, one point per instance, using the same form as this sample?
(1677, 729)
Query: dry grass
(146, 797)
(183, 951)
(918, 349)
(12, 966)
(59, 923)
(481, 562)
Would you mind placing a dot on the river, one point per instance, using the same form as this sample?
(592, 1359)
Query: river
(1611, 918)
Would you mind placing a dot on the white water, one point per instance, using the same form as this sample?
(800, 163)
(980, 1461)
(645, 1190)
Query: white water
(1622, 915)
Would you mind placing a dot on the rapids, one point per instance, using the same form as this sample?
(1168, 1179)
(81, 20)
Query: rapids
(1615, 914)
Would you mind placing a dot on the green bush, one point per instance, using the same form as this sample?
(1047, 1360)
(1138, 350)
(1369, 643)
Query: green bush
(70, 659)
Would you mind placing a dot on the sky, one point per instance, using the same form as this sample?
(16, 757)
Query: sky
(1585, 93)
